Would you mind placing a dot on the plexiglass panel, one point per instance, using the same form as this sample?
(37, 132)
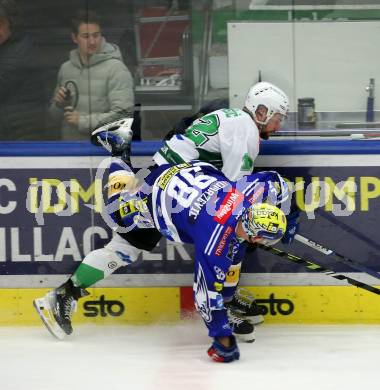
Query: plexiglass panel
(68, 66)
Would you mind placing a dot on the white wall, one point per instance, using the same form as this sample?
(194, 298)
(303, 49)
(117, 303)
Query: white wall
(330, 61)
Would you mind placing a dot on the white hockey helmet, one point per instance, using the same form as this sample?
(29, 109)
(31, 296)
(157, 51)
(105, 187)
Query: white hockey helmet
(269, 96)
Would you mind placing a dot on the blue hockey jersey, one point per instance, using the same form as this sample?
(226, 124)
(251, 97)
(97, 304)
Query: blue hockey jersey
(197, 204)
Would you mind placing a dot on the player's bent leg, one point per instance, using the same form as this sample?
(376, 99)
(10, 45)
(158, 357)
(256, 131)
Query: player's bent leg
(126, 252)
(57, 306)
(241, 324)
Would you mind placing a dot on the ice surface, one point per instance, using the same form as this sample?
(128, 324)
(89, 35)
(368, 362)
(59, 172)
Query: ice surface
(174, 357)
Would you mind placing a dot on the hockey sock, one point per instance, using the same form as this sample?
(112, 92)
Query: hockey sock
(97, 265)
(86, 275)
(74, 291)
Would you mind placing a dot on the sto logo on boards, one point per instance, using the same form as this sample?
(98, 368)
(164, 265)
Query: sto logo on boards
(103, 308)
(274, 306)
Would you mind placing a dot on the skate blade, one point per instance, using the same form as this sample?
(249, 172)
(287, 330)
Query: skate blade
(255, 320)
(43, 309)
(246, 338)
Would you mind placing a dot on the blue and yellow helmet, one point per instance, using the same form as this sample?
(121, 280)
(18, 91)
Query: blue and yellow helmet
(266, 221)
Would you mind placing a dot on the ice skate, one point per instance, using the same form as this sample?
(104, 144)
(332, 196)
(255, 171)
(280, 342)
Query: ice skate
(244, 304)
(115, 136)
(57, 307)
(241, 328)
(55, 311)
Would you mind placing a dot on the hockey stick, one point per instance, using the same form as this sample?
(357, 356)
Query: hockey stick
(318, 268)
(349, 229)
(343, 259)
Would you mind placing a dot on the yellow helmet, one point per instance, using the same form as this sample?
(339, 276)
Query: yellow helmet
(266, 221)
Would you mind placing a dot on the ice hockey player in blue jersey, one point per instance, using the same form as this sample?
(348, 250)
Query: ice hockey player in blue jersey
(197, 204)
(236, 137)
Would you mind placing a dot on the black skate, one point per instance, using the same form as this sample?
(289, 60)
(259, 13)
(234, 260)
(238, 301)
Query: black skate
(57, 307)
(244, 304)
(241, 327)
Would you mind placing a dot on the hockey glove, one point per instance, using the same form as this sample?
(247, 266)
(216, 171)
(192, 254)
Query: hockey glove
(220, 353)
(292, 227)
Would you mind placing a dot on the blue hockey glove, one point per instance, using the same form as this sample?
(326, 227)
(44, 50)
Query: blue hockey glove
(222, 354)
(292, 227)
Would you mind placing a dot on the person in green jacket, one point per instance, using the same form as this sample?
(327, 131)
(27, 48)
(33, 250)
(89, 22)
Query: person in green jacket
(94, 84)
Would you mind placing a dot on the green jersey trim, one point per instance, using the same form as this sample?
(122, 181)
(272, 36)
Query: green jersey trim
(210, 157)
(170, 155)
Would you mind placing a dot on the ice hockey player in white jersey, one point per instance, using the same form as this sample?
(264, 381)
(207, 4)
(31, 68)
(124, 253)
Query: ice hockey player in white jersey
(227, 138)
(230, 138)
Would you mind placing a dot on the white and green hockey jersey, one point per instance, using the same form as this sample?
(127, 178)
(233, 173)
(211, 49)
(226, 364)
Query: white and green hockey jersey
(227, 138)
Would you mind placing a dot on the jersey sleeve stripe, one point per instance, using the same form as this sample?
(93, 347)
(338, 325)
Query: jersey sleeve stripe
(158, 198)
(155, 190)
(249, 188)
(165, 215)
(214, 236)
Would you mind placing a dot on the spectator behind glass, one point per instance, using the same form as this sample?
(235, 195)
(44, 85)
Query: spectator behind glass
(94, 85)
(22, 103)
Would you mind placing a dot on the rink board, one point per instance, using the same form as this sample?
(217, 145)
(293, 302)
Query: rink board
(106, 306)
(285, 305)
(50, 209)
(40, 245)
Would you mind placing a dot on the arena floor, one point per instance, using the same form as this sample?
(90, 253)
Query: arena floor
(174, 357)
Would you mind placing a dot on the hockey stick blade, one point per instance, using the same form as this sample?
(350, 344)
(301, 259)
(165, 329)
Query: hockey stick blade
(318, 268)
(343, 259)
